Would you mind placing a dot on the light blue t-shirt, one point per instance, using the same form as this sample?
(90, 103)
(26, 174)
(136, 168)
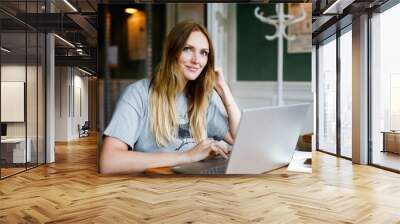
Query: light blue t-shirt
(130, 121)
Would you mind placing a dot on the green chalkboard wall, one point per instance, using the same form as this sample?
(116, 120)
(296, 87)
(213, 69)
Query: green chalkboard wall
(257, 57)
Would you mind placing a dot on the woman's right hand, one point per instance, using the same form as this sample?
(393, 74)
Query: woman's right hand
(204, 149)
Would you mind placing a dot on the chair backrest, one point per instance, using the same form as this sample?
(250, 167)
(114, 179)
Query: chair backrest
(86, 125)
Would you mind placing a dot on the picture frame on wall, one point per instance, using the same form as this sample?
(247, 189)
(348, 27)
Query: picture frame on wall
(301, 30)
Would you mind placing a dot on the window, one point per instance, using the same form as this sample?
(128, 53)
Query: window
(346, 94)
(385, 89)
(327, 97)
(22, 77)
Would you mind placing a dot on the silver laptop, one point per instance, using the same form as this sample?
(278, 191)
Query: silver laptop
(266, 140)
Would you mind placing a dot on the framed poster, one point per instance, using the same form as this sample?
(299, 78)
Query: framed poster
(302, 30)
(12, 101)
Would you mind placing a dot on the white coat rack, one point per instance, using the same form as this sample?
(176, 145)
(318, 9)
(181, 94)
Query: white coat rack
(281, 22)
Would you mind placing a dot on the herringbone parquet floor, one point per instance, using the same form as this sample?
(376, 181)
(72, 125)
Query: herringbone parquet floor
(70, 191)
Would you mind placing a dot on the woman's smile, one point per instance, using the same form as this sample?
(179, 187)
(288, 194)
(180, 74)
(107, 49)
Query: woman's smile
(191, 68)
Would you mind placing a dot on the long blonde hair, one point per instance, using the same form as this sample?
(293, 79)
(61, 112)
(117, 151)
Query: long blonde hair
(164, 88)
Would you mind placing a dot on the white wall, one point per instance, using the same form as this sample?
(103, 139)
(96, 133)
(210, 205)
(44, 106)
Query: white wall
(15, 72)
(33, 127)
(80, 84)
(61, 103)
(70, 84)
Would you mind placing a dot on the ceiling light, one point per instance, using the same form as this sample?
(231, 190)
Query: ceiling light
(78, 44)
(131, 10)
(337, 7)
(70, 5)
(65, 41)
(5, 50)
(84, 71)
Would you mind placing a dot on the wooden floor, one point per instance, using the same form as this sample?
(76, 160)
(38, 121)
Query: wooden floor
(70, 191)
(5, 172)
(386, 159)
(8, 171)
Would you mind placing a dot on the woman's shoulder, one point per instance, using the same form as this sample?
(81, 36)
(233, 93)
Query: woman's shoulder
(140, 87)
(137, 92)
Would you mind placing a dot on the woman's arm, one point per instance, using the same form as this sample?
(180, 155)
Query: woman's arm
(115, 157)
(230, 106)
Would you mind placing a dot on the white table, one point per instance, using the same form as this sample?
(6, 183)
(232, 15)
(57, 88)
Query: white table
(297, 163)
(18, 149)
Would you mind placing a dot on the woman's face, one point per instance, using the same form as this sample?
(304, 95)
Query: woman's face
(194, 55)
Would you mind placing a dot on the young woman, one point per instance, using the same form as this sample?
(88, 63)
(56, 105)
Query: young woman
(175, 116)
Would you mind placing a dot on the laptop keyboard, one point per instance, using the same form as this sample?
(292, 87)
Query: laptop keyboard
(214, 170)
(213, 165)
